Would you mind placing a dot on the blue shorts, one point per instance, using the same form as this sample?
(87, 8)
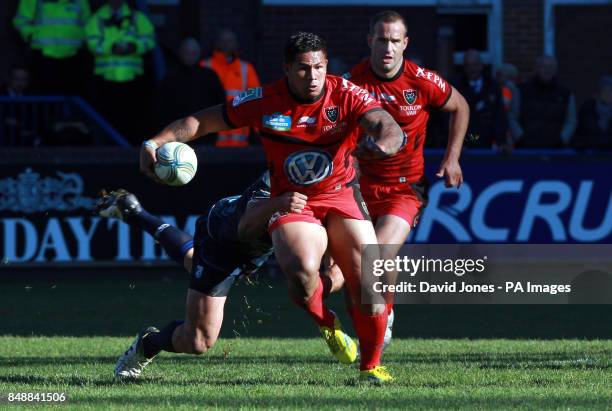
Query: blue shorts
(217, 260)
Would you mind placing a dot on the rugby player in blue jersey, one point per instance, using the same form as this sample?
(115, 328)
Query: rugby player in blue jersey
(230, 240)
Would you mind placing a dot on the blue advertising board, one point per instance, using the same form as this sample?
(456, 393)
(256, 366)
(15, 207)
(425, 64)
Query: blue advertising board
(45, 205)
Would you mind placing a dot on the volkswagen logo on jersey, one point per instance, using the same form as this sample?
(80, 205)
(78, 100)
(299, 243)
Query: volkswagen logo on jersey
(308, 167)
(410, 96)
(332, 113)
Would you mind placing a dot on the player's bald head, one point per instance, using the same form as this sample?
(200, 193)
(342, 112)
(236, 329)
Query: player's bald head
(301, 43)
(387, 16)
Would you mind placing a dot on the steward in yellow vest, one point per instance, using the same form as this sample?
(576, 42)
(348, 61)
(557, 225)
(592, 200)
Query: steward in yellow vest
(118, 36)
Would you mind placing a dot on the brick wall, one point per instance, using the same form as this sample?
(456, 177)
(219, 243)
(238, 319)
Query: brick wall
(583, 38)
(523, 33)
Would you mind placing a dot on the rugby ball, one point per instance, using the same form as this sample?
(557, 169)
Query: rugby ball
(176, 163)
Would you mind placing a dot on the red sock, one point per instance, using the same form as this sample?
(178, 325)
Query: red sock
(371, 332)
(317, 309)
(389, 308)
(326, 281)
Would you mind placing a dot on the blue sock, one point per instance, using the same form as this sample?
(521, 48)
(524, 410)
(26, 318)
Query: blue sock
(175, 242)
(153, 343)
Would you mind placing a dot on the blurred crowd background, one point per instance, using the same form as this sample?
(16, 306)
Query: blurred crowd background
(81, 72)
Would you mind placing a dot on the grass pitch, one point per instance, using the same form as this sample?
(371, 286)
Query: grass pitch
(299, 373)
(62, 332)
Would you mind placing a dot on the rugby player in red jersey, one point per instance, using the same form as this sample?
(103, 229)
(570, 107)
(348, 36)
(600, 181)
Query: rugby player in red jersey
(395, 188)
(308, 123)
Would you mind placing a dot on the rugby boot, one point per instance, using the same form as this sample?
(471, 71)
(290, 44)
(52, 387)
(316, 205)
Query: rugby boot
(118, 204)
(133, 361)
(340, 344)
(377, 375)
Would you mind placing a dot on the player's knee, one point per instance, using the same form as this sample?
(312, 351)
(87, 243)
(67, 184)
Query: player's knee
(304, 269)
(199, 345)
(199, 341)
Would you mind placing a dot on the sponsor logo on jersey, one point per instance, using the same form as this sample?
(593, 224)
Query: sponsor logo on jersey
(197, 273)
(308, 167)
(306, 121)
(334, 128)
(432, 77)
(277, 122)
(248, 95)
(332, 113)
(357, 91)
(411, 110)
(384, 97)
(410, 95)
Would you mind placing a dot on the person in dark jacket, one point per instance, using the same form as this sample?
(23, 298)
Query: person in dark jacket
(488, 123)
(186, 88)
(548, 110)
(595, 119)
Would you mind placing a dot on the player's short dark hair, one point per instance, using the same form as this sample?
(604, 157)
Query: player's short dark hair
(387, 16)
(303, 42)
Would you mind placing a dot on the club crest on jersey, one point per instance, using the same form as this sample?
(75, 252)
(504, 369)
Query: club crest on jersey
(332, 113)
(410, 96)
(308, 167)
(277, 122)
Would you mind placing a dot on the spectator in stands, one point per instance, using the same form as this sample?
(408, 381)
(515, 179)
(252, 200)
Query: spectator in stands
(119, 36)
(488, 123)
(186, 87)
(18, 82)
(506, 76)
(55, 33)
(595, 119)
(548, 110)
(236, 75)
(14, 131)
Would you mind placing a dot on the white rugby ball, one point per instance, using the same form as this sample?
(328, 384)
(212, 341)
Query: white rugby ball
(176, 163)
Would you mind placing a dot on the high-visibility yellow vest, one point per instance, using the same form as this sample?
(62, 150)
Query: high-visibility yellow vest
(56, 28)
(129, 26)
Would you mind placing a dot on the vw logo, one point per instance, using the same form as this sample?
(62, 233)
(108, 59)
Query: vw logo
(308, 167)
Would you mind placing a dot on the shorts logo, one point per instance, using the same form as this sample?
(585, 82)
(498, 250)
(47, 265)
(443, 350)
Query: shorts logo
(197, 273)
(248, 95)
(332, 113)
(275, 217)
(277, 122)
(308, 167)
(410, 96)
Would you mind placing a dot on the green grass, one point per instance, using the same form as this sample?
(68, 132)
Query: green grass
(62, 332)
(299, 373)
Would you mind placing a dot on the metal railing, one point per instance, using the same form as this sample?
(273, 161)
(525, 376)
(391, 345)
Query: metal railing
(46, 120)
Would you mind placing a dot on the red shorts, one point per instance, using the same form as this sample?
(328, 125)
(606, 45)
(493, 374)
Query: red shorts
(404, 200)
(346, 202)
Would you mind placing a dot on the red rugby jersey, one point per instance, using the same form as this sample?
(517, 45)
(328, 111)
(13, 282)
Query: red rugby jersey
(308, 145)
(408, 97)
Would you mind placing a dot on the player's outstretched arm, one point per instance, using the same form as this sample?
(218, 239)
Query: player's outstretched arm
(459, 119)
(209, 120)
(254, 221)
(387, 135)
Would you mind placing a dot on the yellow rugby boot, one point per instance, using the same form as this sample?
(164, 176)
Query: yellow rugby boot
(377, 375)
(340, 344)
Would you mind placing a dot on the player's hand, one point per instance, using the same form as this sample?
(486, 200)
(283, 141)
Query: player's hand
(147, 162)
(292, 202)
(451, 171)
(369, 150)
